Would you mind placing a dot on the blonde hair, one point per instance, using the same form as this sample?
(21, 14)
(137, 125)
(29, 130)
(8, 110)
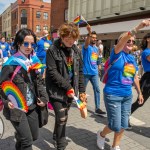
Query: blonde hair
(134, 48)
(69, 29)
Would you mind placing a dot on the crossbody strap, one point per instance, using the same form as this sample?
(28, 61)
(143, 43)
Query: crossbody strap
(15, 72)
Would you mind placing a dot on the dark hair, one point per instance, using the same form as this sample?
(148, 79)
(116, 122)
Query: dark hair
(144, 41)
(93, 32)
(21, 34)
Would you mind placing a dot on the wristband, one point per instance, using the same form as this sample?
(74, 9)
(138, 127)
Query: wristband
(71, 91)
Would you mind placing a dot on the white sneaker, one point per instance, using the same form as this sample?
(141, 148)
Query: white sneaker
(100, 141)
(115, 148)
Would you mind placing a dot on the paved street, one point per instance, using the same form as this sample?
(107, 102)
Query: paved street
(81, 133)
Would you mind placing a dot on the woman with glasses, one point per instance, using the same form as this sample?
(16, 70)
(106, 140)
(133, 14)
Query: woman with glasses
(64, 78)
(118, 89)
(16, 69)
(145, 80)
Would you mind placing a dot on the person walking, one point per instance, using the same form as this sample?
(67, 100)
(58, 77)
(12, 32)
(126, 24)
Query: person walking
(118, 89)
(90, 67)
(26, 124)
(64, 78)
(145, 79)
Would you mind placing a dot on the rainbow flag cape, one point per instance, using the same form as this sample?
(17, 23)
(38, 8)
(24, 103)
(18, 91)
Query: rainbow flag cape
(79, 20)
(79, 103)
(14, 95)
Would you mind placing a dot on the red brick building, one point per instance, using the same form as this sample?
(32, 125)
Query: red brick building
(32, 14)
(59, 14)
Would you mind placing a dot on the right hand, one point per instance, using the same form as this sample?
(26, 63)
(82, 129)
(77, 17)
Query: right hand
(144, 23)
(10, 105)
(88, 27)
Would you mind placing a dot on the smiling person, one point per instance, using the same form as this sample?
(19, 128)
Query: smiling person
(118, 89)
(15, 69)
(64, 78)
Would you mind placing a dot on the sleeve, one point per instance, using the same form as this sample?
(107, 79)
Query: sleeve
(53, 73)
(114, 56)
(42, 94)
(145, 54)
(81, 76)
(5, 75)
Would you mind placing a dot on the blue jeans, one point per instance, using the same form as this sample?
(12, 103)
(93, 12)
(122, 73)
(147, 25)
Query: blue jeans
(118, 111)
(94, 79)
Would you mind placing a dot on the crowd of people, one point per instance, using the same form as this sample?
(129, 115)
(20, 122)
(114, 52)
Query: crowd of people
(67, 73)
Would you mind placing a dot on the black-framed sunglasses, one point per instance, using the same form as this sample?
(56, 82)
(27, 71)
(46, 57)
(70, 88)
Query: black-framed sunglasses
(26, 44)
(129, 41)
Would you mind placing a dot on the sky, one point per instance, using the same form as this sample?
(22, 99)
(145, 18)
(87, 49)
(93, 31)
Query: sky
(4, 4)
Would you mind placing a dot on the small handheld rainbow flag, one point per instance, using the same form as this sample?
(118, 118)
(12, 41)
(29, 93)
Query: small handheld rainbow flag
(14, 95)
(36, 66)
(79, 103)
(79, 20)
(48, 37)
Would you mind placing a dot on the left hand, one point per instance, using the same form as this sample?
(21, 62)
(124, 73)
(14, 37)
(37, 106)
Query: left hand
(141, 99)
(83, 97)
(40, 103)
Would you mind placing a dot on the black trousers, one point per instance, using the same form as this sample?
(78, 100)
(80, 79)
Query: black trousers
(61, 116)
(27, 130)
(145, 88)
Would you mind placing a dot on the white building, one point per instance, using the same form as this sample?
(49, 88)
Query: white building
(109, 18)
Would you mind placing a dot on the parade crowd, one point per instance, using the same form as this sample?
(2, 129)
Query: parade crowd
(53, 73)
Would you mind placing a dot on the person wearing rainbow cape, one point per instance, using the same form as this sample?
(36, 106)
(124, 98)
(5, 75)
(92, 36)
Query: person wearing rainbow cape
(64, 78)
(21, 85)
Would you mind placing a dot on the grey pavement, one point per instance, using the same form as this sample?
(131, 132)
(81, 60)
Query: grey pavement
(81, 132)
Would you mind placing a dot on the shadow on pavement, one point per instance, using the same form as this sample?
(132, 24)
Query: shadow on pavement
(144, 131)
(84, 138)
(45, 137)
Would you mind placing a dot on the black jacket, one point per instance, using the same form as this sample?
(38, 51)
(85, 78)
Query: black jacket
(57, 76)
(21, 80)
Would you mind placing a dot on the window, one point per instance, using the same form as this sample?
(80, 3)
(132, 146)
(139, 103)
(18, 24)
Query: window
(38, 14)
(45, 28)
(38, 28)
(23, 13)
(45, 16)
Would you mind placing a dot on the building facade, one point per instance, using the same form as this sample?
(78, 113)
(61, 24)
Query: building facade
(6, 22)
(109, 18)
(59, 15)
(32, 14)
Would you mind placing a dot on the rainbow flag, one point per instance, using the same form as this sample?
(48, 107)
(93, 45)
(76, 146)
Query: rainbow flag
(36, 66)
(79, 103)
(79, 20)
(48, 37)
(14, 95)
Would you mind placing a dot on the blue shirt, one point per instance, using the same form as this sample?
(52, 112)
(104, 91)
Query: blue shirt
(43, 45)
(145, 62)
(90, 56)
(5, 48)
(121, 74)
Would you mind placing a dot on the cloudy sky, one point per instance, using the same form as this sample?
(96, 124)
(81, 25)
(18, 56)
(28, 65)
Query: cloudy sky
(4, 4)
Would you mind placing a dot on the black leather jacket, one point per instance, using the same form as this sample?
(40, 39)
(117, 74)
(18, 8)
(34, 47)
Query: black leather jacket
(21, 80)
(57, 76)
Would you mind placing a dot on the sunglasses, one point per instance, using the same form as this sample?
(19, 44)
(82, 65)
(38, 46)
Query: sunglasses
(26, 44)
(129, 41)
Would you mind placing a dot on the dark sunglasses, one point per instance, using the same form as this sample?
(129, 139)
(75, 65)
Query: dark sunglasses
(26, 44)
(129, 41)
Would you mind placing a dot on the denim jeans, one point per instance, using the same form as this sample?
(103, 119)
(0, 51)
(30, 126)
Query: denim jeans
(118, 111)
(27, 130)
(94, 79)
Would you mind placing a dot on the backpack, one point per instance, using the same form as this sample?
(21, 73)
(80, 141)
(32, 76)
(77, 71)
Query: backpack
(107, 66)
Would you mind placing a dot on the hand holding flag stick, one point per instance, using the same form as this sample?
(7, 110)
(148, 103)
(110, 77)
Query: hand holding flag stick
(82, 106)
